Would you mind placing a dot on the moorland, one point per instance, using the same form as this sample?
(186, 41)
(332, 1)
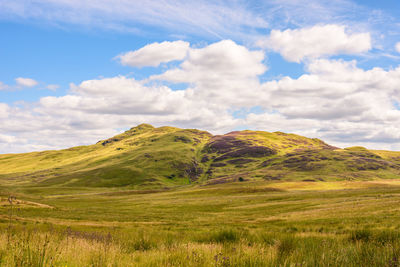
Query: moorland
(184, 197)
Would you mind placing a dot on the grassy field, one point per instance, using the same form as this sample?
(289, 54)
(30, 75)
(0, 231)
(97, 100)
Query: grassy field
(250, 223)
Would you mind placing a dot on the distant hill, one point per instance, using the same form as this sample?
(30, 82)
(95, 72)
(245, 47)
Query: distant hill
(148, 157)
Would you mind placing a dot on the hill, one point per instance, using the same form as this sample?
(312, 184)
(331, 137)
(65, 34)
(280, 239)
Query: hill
(149, 157)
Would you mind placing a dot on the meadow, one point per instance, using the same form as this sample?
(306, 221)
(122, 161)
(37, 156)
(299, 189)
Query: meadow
(249, 223)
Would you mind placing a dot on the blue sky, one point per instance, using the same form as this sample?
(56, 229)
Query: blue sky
(278, 66)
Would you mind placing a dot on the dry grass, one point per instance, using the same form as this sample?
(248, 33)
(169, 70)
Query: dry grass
(240, 224)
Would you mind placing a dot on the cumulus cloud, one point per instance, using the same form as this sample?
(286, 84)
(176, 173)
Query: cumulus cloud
(216, 73)
(95, 108)
(223, 71)
(119, 96)
(4, 109)
(317, 41)
(7, 139)
(334, 100)
(154, 54)
(226, 59)
(398, 47)
(26, 82)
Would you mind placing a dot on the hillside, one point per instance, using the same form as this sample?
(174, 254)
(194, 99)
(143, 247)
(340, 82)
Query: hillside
(148, 157)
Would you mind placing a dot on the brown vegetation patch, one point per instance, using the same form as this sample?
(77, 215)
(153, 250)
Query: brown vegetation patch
(223, 144)
(220, 181)
(304, 161)
(109, 141)
(182, 139)
(365, 154)
(248, 151)
(217, 164)
(310, 160)
(369, 164)
(91, 236)
(204, 159)
(267, 163)
(273, 177)
(298, 141)
(191, 170)
(240, 161)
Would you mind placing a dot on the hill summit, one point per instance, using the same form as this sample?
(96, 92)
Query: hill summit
(149, 157)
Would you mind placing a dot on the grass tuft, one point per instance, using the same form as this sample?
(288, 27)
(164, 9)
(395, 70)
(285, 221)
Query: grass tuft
(223, 236)
(363, 235)
(286, 246)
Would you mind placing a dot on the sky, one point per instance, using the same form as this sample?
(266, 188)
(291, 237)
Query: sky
(75, 72)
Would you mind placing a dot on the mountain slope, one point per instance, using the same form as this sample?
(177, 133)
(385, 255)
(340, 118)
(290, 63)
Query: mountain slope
(145, 156)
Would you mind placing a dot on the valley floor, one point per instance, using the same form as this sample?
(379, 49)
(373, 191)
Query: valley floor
(251, 223)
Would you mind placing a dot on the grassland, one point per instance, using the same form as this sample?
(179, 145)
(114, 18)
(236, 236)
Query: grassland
(253, 223)
(182, 197)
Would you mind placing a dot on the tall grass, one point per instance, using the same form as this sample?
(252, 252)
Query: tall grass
(225, 247)
(204, 226)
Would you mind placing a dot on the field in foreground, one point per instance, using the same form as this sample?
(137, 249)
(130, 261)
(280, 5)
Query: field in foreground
(250, 223)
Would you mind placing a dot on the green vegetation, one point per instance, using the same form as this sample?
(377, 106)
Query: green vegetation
(249, 223)
(156, 158)
(172, 197)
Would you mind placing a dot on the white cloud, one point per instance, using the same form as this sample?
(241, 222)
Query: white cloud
(205, 18)
(4, 110)
(338, 102)
(221, 60)
(398, 47)
(202, 17)
(94, 107)
(222, 71)
(7, 139)
(317, 41)
(52, 87)
(26, 82)
(3, 86)
(119, 96)
(334, 100)
(154, 54)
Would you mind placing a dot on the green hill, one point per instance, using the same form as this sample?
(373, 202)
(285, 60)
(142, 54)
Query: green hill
(148, 157)
(255, 199)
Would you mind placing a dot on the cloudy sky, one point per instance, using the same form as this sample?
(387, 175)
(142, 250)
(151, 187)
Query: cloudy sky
(73, 72)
